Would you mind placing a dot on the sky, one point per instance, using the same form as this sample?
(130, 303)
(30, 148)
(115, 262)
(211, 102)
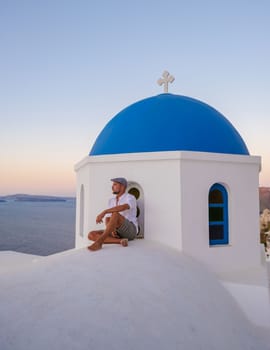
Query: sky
(67, 67)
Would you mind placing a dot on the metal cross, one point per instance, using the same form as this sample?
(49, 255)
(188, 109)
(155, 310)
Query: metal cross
(167, 78)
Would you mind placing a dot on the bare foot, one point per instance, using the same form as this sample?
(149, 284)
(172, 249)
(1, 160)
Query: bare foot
(124, 242)
(95, 246)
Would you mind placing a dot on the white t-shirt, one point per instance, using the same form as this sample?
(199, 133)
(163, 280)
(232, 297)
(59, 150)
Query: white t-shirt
(129, 214)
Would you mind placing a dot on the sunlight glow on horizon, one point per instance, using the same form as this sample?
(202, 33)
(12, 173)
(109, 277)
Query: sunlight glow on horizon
(62, 82)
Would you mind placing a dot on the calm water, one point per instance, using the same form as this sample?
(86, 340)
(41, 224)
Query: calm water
(41, 228)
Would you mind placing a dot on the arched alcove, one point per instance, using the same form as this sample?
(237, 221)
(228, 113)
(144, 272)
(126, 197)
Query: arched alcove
(136, 190)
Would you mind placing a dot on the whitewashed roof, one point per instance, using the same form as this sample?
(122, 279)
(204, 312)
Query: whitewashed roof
(145, 296)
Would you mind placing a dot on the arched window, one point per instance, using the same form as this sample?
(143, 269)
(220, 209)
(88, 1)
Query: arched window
(82, 211)
(218, 215)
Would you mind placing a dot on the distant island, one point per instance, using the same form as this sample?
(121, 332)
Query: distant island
(264, 193)
(33, 198)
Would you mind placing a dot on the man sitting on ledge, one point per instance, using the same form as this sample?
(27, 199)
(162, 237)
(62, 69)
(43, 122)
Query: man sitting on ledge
(121, 221)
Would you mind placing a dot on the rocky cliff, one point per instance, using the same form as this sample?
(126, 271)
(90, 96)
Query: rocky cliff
(264, 193)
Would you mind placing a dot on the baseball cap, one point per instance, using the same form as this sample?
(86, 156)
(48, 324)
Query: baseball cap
(120, 180)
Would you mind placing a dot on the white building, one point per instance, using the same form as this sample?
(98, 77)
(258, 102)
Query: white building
(196, 183)
(197, 189)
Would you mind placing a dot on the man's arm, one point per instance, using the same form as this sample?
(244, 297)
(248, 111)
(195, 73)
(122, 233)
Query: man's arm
(116, 209)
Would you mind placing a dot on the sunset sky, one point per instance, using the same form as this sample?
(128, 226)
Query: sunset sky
(67, 67)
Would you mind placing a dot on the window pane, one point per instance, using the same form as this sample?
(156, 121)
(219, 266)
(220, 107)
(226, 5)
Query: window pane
(215, 196)
(215, 214)
(216, 232)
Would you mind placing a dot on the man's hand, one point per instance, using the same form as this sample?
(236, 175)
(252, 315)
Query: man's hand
(100, 217)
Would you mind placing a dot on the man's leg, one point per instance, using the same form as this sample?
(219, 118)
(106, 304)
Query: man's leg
(95, 235)
(116, 220)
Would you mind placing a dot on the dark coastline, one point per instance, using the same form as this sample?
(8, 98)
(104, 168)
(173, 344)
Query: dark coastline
(33, 198)
(39, 200)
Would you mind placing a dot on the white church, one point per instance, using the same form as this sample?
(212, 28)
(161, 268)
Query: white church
(195, 182)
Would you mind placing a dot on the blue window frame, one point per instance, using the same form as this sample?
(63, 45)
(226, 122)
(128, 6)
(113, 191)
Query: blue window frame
(218, 215)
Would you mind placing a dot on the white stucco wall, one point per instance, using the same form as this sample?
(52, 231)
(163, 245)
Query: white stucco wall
(156, 173)
(240, 176)
(176, 186)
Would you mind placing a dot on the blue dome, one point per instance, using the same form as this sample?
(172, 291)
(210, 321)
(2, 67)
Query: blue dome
(169, 122)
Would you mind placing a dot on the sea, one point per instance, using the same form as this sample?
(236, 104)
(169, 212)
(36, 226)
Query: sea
(39, 228)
